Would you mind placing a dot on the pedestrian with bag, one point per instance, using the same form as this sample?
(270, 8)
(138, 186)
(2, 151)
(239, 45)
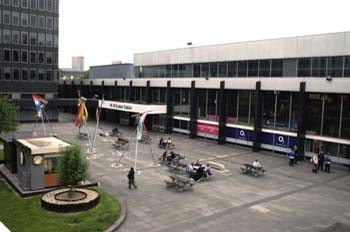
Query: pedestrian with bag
(291, 155)
(328, 162)
(314, 161)
(131, 177)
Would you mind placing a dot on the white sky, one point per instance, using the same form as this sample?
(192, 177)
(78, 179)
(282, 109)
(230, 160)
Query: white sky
(106, 30)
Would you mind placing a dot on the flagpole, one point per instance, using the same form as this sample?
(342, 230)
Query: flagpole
(42, 120)
(137, 142)
(94, 140)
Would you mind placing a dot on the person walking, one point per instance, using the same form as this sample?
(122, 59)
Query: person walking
(131, 177)
(320, 161)
(291, 155)
(296, 154)
(314, 161)
(328, 162)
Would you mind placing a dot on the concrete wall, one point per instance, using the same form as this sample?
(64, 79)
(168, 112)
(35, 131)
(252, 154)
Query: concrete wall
(333, 44)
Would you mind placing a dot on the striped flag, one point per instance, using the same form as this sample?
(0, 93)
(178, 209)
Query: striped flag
(39, 104)
(139, 128)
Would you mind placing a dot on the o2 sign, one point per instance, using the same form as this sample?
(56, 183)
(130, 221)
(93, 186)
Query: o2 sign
(281, 140)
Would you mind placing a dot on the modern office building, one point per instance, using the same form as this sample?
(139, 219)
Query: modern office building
(268, 94)
(29, 52)
(78, 63)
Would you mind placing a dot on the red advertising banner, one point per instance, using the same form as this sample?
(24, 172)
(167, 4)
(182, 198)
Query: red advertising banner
(207, 129)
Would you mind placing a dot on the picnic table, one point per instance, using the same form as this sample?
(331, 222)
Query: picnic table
(121, 143)
(250, 168)
(179, 182)
(177, 166)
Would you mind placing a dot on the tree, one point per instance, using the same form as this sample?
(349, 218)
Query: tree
(7, 115)
(85, 75)
(60, 74)
(73, 166)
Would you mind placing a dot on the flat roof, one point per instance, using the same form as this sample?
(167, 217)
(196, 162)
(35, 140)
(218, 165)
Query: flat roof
(45, 145)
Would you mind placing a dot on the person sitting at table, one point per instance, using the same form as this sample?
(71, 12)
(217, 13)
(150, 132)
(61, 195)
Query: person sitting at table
(190, 169)
(197, 163)
(207, 169)
(199, 174)
(256, 164)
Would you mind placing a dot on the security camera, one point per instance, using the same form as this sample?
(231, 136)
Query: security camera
(328, 78)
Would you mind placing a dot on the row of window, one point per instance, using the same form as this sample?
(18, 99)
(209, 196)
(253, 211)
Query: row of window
(28, 38)
(303, 67)
(28, 20)
(31, 57)
(24, 74)
(42, 5)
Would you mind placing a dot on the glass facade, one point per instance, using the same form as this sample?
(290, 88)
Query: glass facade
(338, 66)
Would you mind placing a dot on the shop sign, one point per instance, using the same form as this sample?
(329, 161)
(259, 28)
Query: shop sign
(207, 129)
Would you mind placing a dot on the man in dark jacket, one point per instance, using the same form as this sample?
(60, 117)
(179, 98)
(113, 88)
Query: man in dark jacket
(131, 177)
(320, 161)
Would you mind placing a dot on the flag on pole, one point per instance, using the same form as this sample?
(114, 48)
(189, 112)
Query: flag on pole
(139, 128)
(39, 104)
(82, 112)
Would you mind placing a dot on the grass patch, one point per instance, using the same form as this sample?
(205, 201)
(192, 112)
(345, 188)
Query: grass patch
(26, 214)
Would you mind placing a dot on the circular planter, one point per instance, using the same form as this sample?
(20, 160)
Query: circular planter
(58, 200)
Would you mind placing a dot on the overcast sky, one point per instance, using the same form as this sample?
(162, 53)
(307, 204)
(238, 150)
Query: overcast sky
(107, 30)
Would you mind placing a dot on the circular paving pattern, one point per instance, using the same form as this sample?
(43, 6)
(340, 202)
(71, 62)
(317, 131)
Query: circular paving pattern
(58, 200)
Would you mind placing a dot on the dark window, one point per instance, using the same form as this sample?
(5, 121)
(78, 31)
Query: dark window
(41, 75)
(276, 68)
(223, 69)
(202, 104)
(168, 71)
(304, 67)
(205, 70)
(15, 56)
(32, 57)
(174, 70)
(313, 113)
(41, 5)
(7, 74)
(15, 74)
(242, 68)
(347, 67)
(212, 105)
(282, 110)
(49, 75)
(196, 70)
(264, 68)
(7, 55)
(177, 101)
(33, 4)
(24, 74)
(268, 109)
(335, 66)
(213, 69)
(189, 70)
(24, 57)
(33, 75)
(319, 66)
(231, 106)
(24, 38)
(41, 58)
(182, 71)
(231, 69)
(253, 68)
(345, 126)
(243, 108)
(331, 116)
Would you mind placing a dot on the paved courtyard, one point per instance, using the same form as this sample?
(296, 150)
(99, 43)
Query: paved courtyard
(283, 199)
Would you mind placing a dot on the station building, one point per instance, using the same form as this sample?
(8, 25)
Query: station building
(268, 94)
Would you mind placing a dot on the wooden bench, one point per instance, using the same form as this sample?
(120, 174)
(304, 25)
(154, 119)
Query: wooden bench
(250, 169)
(216, 165)
(179, 182)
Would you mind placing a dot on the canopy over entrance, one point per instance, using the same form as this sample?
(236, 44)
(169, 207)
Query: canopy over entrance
(131, 107)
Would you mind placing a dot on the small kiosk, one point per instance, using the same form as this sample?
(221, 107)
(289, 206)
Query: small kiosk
(37, 162)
